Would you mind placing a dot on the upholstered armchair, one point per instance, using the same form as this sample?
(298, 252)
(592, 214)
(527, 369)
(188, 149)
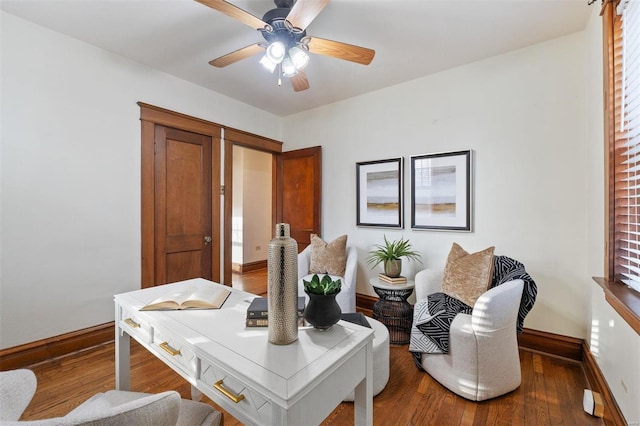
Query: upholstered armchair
(112, 408)
(347, 296)
(482, 360)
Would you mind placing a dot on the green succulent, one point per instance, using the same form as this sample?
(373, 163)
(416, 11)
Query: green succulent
(392, 251)
(324, 286)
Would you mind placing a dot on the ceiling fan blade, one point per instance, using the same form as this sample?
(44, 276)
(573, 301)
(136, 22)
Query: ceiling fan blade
(235, 12)
(304, 12)
(300, 82)
(237, 55)
(336, 49)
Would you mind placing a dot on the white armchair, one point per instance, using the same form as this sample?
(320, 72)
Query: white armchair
(483, 360)
(111, 408)
(347, 296)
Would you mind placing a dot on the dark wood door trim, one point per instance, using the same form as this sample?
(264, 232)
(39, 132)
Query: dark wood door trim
(249, 140)
(177, 120)
(228, 210)
(234, 137)
(149, 117)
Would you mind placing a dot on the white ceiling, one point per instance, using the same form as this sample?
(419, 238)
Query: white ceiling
(411, 39)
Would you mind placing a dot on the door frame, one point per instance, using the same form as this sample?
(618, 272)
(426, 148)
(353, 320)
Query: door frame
(247, 140)
(150, 116)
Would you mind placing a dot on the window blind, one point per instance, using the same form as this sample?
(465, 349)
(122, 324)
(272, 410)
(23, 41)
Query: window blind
(627, 143)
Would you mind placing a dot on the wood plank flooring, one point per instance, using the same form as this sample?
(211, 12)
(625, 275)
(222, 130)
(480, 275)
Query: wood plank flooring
(550, 393)
(254, 282)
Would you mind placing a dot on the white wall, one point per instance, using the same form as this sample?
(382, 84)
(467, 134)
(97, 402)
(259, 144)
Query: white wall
(70, 178)
(614, 344)
(256, 205)
(251, 204)
(237, 230)
(523, 114)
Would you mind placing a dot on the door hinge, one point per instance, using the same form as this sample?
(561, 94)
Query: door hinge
(221, 189)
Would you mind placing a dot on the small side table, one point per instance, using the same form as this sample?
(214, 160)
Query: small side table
(393, 310)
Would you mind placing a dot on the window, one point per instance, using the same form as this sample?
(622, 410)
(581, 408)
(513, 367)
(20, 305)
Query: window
(621, 26)
(624, 141)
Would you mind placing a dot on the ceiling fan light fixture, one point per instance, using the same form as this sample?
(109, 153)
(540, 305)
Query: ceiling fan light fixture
(268, 63)
(299, 57)
(288, 68)
(276, 52)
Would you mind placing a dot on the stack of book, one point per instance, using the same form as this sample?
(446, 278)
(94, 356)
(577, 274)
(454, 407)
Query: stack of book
(389, 280)
(258, 312)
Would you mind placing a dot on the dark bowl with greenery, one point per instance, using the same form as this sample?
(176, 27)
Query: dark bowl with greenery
(324, 286)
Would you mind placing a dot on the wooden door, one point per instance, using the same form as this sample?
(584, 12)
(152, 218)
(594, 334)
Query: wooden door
(183, 237)
(298, 189)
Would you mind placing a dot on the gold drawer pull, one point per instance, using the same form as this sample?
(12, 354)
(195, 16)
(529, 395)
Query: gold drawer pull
(227, 393)
(132, 323)
(168, 349)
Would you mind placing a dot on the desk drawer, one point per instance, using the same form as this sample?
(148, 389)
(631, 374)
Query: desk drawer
(133, 325)
(238, 395)
(175, 351)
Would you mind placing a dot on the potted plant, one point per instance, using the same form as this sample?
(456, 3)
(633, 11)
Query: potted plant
(322, 311)
(390, 254)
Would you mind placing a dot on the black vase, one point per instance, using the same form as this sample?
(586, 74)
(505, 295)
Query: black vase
(322, 311)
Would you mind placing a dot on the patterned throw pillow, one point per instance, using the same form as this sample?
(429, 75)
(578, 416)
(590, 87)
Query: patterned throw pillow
(467, 276)
(328, 258)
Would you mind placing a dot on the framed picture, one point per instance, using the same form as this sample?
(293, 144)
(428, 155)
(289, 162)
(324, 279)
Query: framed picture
(379, 186)
(441, 191)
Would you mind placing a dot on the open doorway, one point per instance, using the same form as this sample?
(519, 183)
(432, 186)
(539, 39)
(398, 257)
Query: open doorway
(251, 221)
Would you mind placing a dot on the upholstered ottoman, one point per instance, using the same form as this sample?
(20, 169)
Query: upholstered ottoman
(380, 357)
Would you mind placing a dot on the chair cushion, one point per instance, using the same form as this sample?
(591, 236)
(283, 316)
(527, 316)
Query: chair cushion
(16, 390)
(197, 413)
(328, 258)
(467, 275)
(127, 408)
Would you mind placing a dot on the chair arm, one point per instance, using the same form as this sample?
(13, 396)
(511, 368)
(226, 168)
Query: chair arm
(17, 387)
(304, 260)
(428, 281)
(351, 267)
(498, 307)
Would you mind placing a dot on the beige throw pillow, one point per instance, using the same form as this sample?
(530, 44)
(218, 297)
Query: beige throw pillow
(467, 276)
(328, 258)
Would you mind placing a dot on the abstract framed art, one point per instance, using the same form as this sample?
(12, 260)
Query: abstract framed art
(441, 186)
(379, 188)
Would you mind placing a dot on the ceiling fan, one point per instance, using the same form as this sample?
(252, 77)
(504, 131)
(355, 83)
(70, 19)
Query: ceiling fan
(286, 41)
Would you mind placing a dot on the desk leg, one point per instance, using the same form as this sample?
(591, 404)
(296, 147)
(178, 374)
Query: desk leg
(196, 394)
(123, 371)
(363, 398)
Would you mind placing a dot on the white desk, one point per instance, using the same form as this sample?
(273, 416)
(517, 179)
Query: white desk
(257, 382)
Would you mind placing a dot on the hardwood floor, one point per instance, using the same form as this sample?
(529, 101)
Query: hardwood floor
(254, 282)
(550, 393)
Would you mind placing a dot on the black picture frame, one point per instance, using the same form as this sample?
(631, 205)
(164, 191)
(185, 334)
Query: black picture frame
(380, 193)
(441, 191)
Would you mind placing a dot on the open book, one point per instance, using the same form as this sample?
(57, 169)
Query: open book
(210, 297)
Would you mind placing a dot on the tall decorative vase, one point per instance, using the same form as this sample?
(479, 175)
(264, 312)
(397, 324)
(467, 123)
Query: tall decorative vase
(282, 289)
